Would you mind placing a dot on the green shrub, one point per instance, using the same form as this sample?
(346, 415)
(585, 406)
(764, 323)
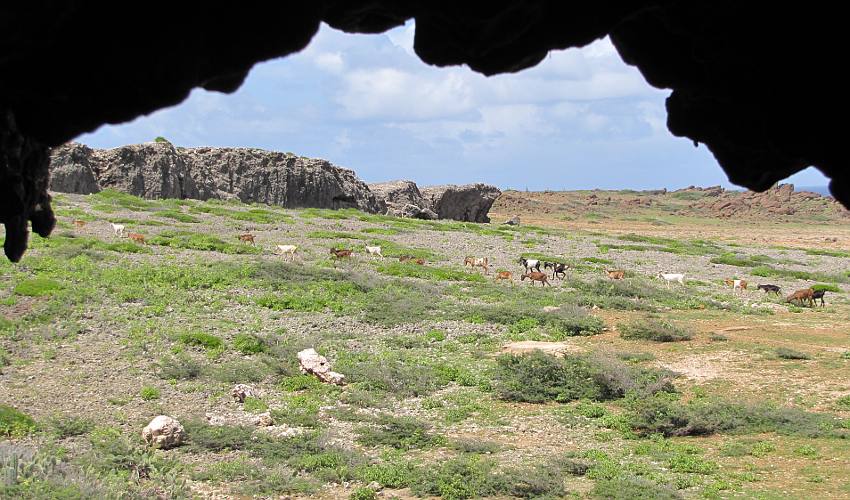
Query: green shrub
(363, 493)
(179, 367)
(201, 436)
(37, 287)
(14, 423)
(566, 321)
(786, 353)
(468, 476)
(653, 329)
(403, 433)
(539, 377)
(178, 216)
(298, 411)
(203, 242)
(254, 405)
(149, 393)
(200, 339)
(632, 488)
(825, 287)
(238, 372)
(393, 373)
(161, 139)
(249, 344)
(68, 426)
(427, 272)
(843, 403)
(731, 259)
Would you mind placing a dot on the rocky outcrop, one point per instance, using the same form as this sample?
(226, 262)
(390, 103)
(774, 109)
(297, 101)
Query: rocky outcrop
(159, 170)
(403, 199)
(313, 363)
(779, 200)
(469, 202)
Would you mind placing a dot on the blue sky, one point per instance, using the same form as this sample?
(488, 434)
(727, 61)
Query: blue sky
(581, 119)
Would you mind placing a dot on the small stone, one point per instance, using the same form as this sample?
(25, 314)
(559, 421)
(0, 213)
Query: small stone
(163, 432)
(242, 391)
(264, 420)
(313, 363)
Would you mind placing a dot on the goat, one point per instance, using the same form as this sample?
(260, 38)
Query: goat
(803, 295)
(374, 251)
(615, 274)
(671, 277)
(80, 223)
(504, 275)
(117, 229)
(420, 261)
(529, 264)
(288, 251)
(769, 288)
(737, 285)
(557, 268)
(340, 253)
(818, 294)
(247, 237)
(482, 262)
(405, 258)
(543, 278)
(136, 237)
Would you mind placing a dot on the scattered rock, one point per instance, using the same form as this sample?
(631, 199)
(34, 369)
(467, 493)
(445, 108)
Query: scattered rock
(315, 364)
(163, 432)
(242, 391)
(548, 309)
(513, 221)
(264, 420)
(527, 346)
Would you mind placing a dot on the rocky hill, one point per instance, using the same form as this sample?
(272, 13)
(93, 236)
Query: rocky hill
(160, 170)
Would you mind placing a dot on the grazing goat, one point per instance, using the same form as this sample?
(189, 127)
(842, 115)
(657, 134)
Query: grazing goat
(529, 264)
(482, 262)
(557, 268)
(288, 251)
(818, 294)
(405, 258)
(543, 278)
(421, 262)
(80, 223)
(769, 288)
(671, 277)
(616, 274)
(118, 229)
(340, 253)
(374, 251)
(737, 285)
(136, 237)
(247, 237)
(801, 296)
(504, 275)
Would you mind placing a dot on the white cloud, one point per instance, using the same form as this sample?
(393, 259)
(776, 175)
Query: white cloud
(403, 38)
(329, 61)
(395, 94)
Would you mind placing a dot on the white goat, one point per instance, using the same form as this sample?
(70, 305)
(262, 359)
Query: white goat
(118, 229)
(288, 251)
(671, 277)
(374, 251)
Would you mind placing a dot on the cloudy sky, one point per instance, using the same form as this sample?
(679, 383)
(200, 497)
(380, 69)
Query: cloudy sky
(580, 119)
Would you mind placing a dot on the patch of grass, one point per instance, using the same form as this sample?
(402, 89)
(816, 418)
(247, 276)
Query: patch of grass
(363, 493)
(786, 353)
(538, 377)
(254, 405)
(825, 287)
(738, 260)
(387, 231)
(653, 329)
(828, 252)
(391, 372)
(843, 403)
(15, 423)
(256, 215)
(332, 235)
(566, 321)
(116, 199)
(598, 260)
(149, 393)
(402, 433)
(299, 410)
(37, 287)
(201, 436)
(632, 488)
(200, 339)
(203, 242)
(178, 216)
(772, 272)
(239, 372)
(338, 296)
(428, 272)
(249, 344)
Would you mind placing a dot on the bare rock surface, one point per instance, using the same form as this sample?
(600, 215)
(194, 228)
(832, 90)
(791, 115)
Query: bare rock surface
(469, 202)
(163, 432)
(242, 391)
(313, 363)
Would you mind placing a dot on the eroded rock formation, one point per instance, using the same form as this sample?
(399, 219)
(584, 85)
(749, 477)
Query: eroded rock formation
(756, 84)
(469, 202)
(159, 170)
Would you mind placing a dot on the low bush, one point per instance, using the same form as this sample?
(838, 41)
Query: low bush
(653, 329)
(180, 367)
(538, 377)
(203, 242)
(826, 287)
(428, 272)
(37, 287)
(149, 393)
(68, 426)
(200, 339)
(402, 433)
(15, 423)
(249, 344)
(786, 353)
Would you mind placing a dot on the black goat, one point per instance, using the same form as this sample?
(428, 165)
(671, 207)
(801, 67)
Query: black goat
(530, 264)
(818, 294)
(769, 288)
(558, 268)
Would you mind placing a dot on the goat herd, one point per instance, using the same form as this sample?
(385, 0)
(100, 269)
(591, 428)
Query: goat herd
(531, 267)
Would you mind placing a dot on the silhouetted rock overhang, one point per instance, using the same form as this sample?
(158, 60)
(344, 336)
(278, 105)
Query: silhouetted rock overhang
(753, 81)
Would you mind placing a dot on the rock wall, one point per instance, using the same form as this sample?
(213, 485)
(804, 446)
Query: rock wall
(159, 170)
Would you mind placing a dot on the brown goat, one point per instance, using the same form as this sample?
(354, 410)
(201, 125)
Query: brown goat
(247, 238)
(340, 253)
(736, 284)
(543, 278)
(80, 223)
(504, 275)
(482, 262)
(421, 262)
(804, 295)
(136, 237)
(616, 274)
